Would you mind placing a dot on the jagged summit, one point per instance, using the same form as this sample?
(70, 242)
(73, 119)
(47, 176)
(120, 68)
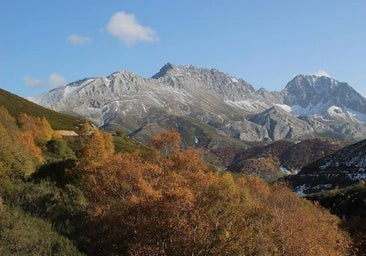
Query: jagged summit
(163, 71)
(310, 95)
(313, 81)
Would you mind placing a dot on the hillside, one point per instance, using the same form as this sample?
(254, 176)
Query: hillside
(17, 105)
(350, 205)
(345, 167)
(282, 157)
(217, 149)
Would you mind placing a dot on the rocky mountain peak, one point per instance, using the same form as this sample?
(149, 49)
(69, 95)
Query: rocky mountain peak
(311, 93)
(312, 81)
(122, 75)
(164, 70)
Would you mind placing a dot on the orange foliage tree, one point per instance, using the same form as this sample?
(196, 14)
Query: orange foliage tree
(167, 142)
(143, 206)
(19, 153)
(302, 228)
(39, 128)
(28, 142)
(98, 149)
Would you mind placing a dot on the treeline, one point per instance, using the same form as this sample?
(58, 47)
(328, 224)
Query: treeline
(78, 196)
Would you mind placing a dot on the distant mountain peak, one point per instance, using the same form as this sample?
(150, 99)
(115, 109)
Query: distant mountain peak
(314, 77)
(164, 70)
(312, 82)
(319, 95)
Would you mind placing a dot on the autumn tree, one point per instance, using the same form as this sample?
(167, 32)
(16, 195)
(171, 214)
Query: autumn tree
(19, 154)
(85, 128)
(6, 120)
(39, 128)
(28, 142)
(167, 142)
(119, 191)
(97, 150)
(163, 212)
(16, 160)
(317, 233)
(171, 205)
(188, 160)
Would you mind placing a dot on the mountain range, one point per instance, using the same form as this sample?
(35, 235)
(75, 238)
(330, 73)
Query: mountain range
(308, 106)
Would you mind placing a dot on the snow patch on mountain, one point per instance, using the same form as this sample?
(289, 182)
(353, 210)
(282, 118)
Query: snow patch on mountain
(234, 80)
(309, 109)
(285, 107)
(339, 114)
(74, 88)
(249, 105)
(357, 115)
(300, 190)
(285, 171)
(321, 73)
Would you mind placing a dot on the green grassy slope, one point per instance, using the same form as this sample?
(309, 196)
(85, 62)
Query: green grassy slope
(16, 105)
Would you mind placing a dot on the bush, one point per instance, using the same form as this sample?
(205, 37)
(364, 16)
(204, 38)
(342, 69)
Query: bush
(21, 234)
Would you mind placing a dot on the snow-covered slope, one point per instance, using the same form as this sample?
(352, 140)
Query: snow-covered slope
(325, 97)
(345, 167)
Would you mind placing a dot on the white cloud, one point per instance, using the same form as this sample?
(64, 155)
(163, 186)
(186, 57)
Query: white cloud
(54, 80)
(78, 39)
(126, 28)
(32, 82)
(363, 94)
(321, 73)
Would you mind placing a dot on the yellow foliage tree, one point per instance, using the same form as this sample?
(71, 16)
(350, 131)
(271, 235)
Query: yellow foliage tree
(7, 120)
(167, 142)
(39, 128)
(142, 206)
(16, 160)
(317, 233)
(98, 149)
(28, 142)
(188, 160)
(85, 128)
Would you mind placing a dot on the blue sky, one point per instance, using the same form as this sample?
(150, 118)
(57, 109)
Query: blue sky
(45, 43)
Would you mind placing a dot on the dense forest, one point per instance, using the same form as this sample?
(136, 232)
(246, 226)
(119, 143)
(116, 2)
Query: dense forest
(98, 194)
